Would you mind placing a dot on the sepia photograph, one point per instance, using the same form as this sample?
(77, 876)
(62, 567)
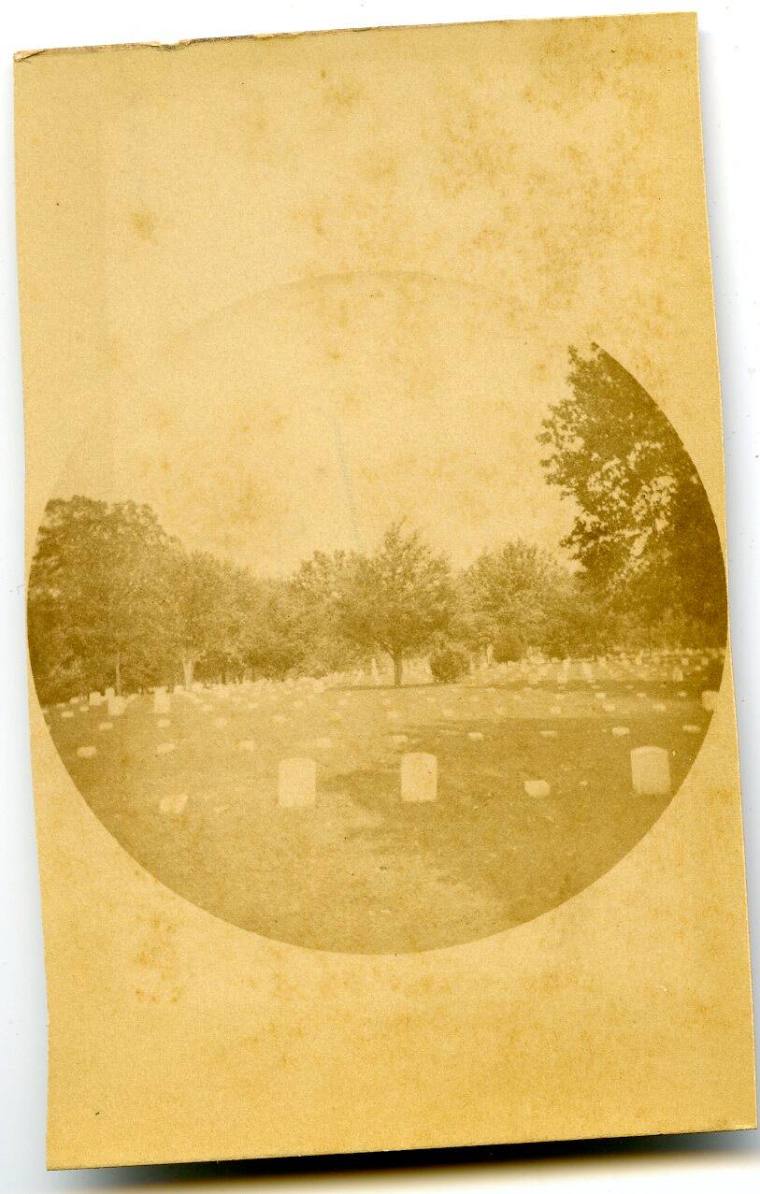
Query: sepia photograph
(392, 644)
(373, 624)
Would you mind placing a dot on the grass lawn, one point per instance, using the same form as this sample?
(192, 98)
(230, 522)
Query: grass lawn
(361, 871)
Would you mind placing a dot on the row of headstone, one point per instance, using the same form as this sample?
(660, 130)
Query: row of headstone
(297, 778)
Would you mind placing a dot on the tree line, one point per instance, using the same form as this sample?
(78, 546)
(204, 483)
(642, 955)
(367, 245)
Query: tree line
(114, 600)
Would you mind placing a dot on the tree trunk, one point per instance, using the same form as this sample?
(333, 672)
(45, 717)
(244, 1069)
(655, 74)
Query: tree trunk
(117, 673)
(188, 664)
(398, 670)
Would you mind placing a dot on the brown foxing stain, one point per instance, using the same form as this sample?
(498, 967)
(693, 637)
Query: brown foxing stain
(157, 961)
(143, 223)
(351, 403)
(380, 167)
(342, 95)
(313, 217)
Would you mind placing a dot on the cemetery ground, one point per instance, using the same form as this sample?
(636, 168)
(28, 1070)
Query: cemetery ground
(191, 792)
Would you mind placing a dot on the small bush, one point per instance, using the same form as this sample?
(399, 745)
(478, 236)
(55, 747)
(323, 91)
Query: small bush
(508, 647)
(448, 664)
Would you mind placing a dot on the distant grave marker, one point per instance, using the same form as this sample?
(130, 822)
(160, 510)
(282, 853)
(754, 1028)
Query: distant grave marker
(650, 771)
(537, 788)
(297, 783)
(419, 777)
(175, 805)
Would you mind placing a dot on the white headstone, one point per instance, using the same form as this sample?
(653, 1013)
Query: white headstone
(709, 700)
(650, 771)
(620, 731)
(173, 804)
(165, 748)
(419, 777)
(116, 705)
(537, 787)
(297, 783)
(86, 752)
(106, 725)
(67, 713)
(95, 699)
(475, 736)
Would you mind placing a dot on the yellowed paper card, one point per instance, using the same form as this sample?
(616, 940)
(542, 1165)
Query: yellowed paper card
(382, 721)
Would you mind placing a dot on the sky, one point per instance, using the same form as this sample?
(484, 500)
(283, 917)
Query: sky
(333, 282)
(313, 415)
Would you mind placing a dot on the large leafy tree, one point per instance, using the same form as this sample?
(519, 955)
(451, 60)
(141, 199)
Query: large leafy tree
(514, 594)
(644, 532)
(99, 594)
(398, 599)
(204, 611)
(317, 593)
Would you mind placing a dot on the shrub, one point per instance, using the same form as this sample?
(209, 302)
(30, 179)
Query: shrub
(448, 664)
(508, 647)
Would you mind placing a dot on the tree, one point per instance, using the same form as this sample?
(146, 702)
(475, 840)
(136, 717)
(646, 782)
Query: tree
(644, 532)
(398, 599)
(98, 594)
(197, 626)
(316, 592)
(513, 594)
